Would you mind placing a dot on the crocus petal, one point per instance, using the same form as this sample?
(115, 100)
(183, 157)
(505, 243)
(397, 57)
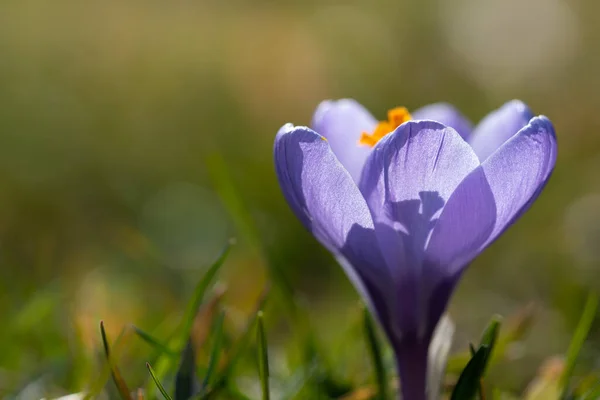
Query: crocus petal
(488, 200)
(460, 233)
(519, 170)
(407, 180)
(447, 115)
(317, 186)
(464, 225)
(342, 123)
(499, 126)
(492, 196)
(327, 201)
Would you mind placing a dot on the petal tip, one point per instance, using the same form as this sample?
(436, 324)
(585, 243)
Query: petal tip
(443, 106)
(413, 128)
(447, 114)
(338, 104)
(346, 102)
(520, 107)
(320, 112)
(304, 131)
(542, 122)
(327, 105)
(287, 128)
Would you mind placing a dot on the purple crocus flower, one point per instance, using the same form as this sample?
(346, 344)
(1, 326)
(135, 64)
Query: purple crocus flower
(405, 205)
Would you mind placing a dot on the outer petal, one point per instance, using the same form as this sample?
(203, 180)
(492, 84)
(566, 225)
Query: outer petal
(499, 126)
(317, 186)
(459, 235)
(342, 123)
(464, 226)
(519, 170)
(407, 180)
(447, 115)
(323, 196)
(489, 200)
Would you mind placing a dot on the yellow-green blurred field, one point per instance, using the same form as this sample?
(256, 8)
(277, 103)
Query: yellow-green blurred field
(136, 139)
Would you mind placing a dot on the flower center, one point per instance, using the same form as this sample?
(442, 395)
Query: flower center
(396, 117)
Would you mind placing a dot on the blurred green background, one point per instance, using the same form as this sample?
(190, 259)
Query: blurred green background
(136, 138)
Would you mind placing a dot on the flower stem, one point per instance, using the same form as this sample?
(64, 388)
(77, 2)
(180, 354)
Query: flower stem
(411, 360)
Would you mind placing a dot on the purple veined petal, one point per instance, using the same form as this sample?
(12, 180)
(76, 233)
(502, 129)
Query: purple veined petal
(342, 122)
(327, 201)
(519, 170)
(446, 114)
(377, 291)
(499, 126)
(459, 235)
(317, 186)
(489, 200)
(464, 225)
(407, 180)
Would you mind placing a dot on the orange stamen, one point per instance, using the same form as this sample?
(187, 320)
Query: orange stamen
(396, 117)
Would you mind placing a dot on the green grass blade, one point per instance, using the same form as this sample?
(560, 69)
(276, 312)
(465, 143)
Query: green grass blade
(186, 383)
(581, 333)
(263, 356)
(215, 352)
(513, 330)
(490, 334)
(157, 382)
(375, 350)
(116, 374)
(469, 381)
(166, 363)
(153, 342)
(490, 337)
(196, 301)
(106, 371)
(236, 354)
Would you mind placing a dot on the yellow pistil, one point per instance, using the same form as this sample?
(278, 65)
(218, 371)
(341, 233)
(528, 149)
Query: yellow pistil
(396, 117)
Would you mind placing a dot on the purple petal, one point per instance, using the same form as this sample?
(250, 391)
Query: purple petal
(446, 114)
(499, 126)
(460, 233)
(342, 122)
(318, 187)
(519, 170)
(489, 199)
(407, 180)
(327, 201)
(464, 225)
